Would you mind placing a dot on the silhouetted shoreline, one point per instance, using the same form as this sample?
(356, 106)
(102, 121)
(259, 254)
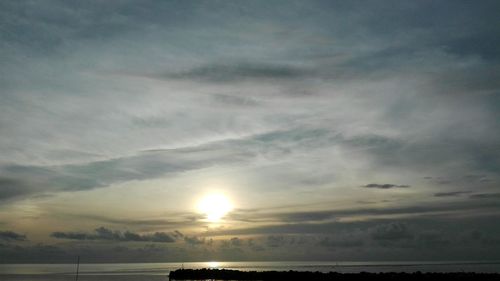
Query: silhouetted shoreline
(226, 274)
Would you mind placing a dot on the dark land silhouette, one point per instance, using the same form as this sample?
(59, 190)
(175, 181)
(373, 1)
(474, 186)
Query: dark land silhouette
(225, 274)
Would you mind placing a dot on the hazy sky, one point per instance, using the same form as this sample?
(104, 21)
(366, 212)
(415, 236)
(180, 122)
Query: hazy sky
(338, 130)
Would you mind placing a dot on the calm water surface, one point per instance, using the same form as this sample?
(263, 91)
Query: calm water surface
(159, 271)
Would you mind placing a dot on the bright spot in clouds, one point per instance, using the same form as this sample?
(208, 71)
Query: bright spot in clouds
(214, 206)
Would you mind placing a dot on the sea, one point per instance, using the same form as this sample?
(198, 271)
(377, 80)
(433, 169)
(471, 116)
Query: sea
(160, 271)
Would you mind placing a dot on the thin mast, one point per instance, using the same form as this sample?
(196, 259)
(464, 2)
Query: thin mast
(77, 267)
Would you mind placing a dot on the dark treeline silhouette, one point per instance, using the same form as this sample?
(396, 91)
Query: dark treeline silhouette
(225, 274)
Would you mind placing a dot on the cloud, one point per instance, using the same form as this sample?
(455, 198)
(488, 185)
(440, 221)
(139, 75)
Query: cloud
(34, 253)
(475, 178)
(234, 100)
(194, 240)
(180, 219)
(451, 194)
(10, 236)
(73, 235)
(23, 180)
(485, 196)
(432, 239)
(344, 241)
(289, 222)
(254, 246)
(241, 71)
(274, 241)
(384, 186)
(236, 242)
(12, 188)
(391, 232)
(294, 219)
(89, 253)
(177, 234)
(103, 233)
(406, 239)
(308, 216)
(26, 180)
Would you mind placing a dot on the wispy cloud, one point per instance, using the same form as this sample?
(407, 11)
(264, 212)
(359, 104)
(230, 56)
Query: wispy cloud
(451, 193)
(385, 186)
(18, 180)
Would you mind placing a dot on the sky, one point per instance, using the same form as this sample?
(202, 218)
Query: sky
(332, 130)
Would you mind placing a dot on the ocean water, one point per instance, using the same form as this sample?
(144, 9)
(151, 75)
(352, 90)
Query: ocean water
(160, 271)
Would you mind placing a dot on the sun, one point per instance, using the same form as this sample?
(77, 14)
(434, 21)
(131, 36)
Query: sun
(214, 207)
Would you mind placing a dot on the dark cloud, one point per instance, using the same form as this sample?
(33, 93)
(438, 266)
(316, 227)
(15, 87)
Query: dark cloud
(33, 254)
(194, 240)
(103, 233)
(274, 241)
(307, 216)
(391, 232)
(73, 235)
(236, 242)
(432, 239)
(9, 236)
(485, 196)
(12, 188)
(480, 238)
(177, 234)
(158, 237)
(89, 253)
(254, 246)
(384, 186)
(344, 241)
(242, 71)
(451, 193)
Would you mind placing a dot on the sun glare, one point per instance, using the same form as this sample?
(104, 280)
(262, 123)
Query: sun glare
(213, 264)
(214, 207)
